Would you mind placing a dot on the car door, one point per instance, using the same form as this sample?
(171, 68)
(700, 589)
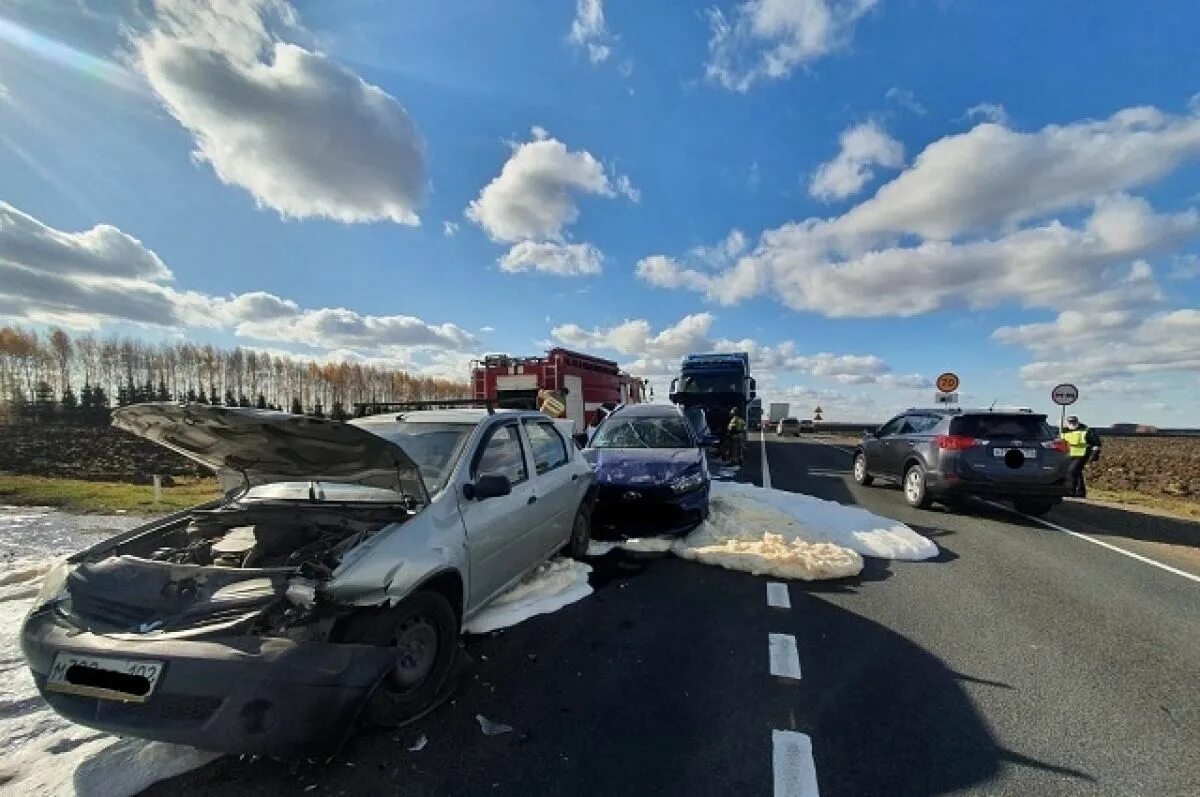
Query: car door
(912, 436)
(502, 543)
(554, 481)
(878, 448)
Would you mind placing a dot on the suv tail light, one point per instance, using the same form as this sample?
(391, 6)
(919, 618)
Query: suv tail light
(954, 442)
(1059, 445)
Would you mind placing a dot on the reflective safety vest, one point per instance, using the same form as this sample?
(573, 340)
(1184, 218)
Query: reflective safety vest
(1077, 440)
(736, 424)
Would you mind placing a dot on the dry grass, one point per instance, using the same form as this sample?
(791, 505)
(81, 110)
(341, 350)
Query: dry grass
(90, 496)
(1180, 507)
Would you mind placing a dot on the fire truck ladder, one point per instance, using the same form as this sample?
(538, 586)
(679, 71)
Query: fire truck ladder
(550, 374)
(479, 383)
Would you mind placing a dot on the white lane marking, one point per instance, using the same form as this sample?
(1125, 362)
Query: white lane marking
(766, 476)
(785, 659)
(795, 772)
(777, 595)
(1101, 543)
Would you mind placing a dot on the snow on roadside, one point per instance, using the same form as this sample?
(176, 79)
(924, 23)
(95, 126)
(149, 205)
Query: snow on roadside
(40, 752)
(547, 589)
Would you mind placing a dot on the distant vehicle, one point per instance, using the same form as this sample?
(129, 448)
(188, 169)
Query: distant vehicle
(330, 583)
(777, 412)
(584, 383)
(807, 426)
(943, 454)
(754, 414)
(651, 473)
(789, 427)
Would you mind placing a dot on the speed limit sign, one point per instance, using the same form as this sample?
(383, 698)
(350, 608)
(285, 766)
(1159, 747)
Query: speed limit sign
(947, 382)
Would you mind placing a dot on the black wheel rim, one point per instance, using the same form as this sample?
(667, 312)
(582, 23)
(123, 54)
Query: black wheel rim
(416, 643)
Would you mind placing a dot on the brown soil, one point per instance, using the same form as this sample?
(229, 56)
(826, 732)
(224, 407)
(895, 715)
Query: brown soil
(91, 453)
(1156, 466)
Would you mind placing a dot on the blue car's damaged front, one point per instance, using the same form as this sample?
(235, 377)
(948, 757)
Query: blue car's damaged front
(651, 471)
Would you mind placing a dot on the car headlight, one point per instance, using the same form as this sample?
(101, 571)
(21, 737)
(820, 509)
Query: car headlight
(53, 584)
(693, 480)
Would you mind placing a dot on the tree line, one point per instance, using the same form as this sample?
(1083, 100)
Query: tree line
(54, 377)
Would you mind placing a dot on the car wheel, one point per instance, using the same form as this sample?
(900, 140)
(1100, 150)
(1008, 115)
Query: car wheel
(860, 470)
(581, 534)
(915, 494)
(1032, 506)
(423, 630)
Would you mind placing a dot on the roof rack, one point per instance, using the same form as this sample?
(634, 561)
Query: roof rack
(377, 407)
(953, 410)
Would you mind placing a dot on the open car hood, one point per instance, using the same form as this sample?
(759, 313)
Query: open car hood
(265, 446)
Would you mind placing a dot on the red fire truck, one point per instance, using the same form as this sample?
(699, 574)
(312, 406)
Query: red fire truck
(584, 382)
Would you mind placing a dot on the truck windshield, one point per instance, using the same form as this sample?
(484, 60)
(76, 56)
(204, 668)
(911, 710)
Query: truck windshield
(709, 383)
(643, 433)
(433, 446)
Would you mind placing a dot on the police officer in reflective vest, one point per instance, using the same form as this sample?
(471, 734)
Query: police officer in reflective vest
(1084, 447)
(733, 439)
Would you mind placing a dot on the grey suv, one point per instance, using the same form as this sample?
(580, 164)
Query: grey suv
(942, 454)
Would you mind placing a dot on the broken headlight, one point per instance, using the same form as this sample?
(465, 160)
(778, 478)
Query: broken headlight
(54, 585)
(692, 480)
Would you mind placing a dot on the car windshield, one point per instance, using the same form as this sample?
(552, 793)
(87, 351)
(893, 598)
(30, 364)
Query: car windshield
(986, 426)
(663, 432)
(709, 383)
(433, 446)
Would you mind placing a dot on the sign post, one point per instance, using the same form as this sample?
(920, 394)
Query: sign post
(947, 383)
(1064, 395)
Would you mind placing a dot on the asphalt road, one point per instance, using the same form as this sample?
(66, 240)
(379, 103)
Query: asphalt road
(1021, 661)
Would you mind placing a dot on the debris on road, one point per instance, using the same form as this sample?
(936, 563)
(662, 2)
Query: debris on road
(490, 728)
(547, 589)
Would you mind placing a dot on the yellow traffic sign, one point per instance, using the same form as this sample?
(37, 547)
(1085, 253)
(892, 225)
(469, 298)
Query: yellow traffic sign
(947, 382)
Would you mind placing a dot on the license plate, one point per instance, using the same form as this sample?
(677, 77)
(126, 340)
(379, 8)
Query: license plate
(1030, 453)
(131, 680)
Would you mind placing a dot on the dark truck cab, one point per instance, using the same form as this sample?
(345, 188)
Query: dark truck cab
(717, 383)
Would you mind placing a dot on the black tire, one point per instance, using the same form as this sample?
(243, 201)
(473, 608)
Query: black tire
(915, 494)
(581, 533)
(861, 475)
(412, 686)
(1033, 506)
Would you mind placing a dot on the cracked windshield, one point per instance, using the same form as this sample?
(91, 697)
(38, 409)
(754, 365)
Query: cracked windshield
(791, 398)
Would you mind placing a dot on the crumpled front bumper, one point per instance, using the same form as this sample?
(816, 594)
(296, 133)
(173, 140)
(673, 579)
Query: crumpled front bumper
(236, 694)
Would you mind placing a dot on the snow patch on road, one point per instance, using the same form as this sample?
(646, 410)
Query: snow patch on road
(40, 752)
(792, 535)
(547, 589)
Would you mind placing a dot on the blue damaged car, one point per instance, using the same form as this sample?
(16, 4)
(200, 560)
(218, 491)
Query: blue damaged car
(651, 473)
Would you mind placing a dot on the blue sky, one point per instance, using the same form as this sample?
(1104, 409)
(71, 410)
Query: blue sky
(863, 193)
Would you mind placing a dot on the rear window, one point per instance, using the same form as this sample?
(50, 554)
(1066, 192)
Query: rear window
(790, 422)
(1032, 427)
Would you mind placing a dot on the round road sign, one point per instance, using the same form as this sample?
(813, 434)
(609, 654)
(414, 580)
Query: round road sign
(947, 382)
(1064, 394)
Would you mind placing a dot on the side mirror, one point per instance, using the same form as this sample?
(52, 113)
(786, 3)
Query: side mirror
(487, 485)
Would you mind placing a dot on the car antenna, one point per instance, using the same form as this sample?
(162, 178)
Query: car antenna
(993, 405)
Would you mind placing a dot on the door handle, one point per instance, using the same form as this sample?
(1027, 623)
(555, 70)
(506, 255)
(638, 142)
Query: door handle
(532, 500)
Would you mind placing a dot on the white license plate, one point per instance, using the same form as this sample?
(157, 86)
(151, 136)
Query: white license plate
(98, 676)
(1030, 453)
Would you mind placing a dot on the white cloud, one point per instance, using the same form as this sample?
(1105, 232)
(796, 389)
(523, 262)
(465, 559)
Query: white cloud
(551, 257)
(534, 196)
(947, 233)
(905, 99)
(5, 95)
(988, 112)
(636, 336)
(588, 30)
(862, 146)
(303, 134)
(768, 39)
(86, 279)
(449, 228)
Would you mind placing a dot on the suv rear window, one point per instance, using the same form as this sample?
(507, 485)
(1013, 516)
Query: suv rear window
(986, 426)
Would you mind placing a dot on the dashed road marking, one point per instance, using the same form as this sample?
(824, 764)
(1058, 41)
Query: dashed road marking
(795, 771)
(766, 470)
(777, 595)
(785, 659)
(1101, 543)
